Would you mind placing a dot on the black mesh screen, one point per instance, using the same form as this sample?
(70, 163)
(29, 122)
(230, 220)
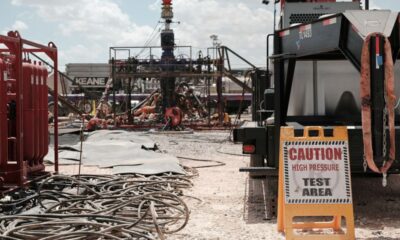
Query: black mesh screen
(304, 17)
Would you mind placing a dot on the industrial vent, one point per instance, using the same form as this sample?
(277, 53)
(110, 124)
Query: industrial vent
(304, 17)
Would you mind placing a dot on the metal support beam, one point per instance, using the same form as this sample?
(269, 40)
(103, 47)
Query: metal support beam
(289, 83)
(128, 104)
(114, 107)
(237, 81)
(267, 63)
(220, 68)
(237, 55)
(227, 59)
(88, 93)
(279, 100)
(66, 103)
(161, 74)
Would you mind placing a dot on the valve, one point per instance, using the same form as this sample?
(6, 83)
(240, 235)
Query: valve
(173, 116)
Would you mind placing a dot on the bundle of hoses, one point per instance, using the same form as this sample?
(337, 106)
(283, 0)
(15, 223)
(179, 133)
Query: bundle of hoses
(366, 104)
(103, 207)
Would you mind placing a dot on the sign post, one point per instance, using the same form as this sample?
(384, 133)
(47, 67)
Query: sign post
(315, 181)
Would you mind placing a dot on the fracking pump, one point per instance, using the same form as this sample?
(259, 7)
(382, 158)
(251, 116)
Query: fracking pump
(333, 65)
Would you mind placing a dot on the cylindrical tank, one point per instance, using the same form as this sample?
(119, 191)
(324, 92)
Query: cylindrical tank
(44, 136)
(3, 115)
(29, 152)
(36, 104)
(11, 93)
(40, 110)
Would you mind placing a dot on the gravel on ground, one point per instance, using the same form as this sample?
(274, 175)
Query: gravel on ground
(233, 205)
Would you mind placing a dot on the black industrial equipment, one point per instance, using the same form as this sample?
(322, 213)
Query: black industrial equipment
(316, 81)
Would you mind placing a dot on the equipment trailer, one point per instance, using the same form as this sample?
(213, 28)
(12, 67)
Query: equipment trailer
(317, 59)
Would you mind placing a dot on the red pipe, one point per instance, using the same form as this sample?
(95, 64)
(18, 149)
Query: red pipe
(36, 120)
(3, 118)
(27, 82)
(45, 114)
(19, 144)
(55, 60)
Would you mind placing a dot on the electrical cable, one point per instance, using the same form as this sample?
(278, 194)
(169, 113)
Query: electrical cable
(232, 154)
(126, 206)
(150, 39)
(218, 163)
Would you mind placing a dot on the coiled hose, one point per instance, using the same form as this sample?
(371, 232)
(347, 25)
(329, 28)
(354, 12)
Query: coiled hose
(127, 206)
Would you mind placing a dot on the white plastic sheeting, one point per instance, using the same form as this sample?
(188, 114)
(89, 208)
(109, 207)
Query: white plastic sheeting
(120, 150)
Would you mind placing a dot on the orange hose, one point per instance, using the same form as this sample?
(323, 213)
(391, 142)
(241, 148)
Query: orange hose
(365, 91)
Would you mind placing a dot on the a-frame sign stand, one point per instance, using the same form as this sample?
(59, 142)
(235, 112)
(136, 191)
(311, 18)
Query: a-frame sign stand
(315, 181)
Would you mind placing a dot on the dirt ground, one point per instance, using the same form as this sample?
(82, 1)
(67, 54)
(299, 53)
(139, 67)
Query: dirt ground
(233, 206)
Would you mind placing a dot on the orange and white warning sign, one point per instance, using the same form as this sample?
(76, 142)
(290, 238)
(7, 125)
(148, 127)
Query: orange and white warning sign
(314, 180)
(316, 172)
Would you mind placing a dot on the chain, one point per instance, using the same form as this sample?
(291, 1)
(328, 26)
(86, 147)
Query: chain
(365, 164)
(384, 150)
(384, 145)
(384, 142)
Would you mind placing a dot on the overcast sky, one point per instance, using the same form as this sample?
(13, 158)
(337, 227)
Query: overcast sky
(83, 30)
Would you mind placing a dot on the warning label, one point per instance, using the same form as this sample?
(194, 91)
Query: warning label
(316, 172)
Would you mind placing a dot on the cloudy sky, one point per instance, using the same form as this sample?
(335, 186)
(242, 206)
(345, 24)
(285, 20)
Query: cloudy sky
(84, 30)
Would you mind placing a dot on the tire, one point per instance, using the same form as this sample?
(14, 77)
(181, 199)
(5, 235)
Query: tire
(256, 161)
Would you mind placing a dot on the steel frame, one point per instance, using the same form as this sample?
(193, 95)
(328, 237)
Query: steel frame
(17, 46)
(182, 68)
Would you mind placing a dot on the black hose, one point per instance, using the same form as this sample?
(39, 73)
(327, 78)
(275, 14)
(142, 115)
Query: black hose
(128, 206)
(218, 163)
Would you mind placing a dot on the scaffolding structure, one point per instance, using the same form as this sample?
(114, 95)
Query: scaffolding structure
(200, 73)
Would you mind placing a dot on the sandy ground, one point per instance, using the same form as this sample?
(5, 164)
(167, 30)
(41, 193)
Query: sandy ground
(234, 206)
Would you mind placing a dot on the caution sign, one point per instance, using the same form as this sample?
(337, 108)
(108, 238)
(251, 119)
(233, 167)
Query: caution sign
(315, 180)
(316, 172)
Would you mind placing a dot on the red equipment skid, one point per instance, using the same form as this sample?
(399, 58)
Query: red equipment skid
(24, 133)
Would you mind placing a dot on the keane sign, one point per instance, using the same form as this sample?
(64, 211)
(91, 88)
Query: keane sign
(91, 81)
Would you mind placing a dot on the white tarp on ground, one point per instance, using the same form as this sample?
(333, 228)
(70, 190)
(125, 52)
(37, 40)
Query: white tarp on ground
(120, 150)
